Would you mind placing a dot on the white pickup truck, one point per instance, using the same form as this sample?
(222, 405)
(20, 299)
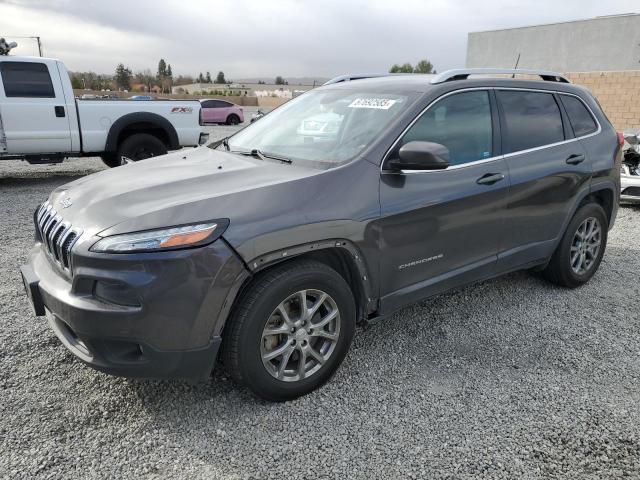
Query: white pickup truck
(42, 122)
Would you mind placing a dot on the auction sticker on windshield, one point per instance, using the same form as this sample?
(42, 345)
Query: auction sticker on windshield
(378, 103)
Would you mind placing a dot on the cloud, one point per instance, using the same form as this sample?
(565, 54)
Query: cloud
(278, 37)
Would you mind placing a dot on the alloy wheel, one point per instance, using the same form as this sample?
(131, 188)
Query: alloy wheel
(586, 245)
(300, 335)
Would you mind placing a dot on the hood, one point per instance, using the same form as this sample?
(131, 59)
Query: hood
(179, 188)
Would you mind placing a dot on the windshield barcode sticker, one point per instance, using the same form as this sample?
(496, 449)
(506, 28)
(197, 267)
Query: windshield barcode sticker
(378, 103)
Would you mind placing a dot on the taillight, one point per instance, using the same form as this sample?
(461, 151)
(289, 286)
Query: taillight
(620, 138)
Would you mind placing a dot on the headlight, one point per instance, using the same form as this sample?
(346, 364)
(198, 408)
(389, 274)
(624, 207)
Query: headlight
(173, 238)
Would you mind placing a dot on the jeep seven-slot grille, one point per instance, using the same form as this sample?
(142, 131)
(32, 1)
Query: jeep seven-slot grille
(57, 236)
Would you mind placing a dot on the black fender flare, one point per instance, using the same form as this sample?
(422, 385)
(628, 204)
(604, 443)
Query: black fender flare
(608, 185)
(140, 117)
(270, 259)
(345, 245)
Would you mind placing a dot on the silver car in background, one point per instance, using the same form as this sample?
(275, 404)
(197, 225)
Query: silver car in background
(630, 168)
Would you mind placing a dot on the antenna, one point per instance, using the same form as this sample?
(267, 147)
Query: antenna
(516, 67)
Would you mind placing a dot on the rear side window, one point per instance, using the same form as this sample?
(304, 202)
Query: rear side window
(26, 79)
(532, 119)
(580, 118)
(216, 104)
(460, 122)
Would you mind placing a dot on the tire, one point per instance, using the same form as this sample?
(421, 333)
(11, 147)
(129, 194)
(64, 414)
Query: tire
(141, 146)
(111, 160)
(233, 119)
(561, 269)
(245, 343)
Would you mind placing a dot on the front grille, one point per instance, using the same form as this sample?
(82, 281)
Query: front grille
(57, 235)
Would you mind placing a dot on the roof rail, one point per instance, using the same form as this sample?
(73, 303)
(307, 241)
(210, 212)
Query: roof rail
(463, 74)
(348, 78)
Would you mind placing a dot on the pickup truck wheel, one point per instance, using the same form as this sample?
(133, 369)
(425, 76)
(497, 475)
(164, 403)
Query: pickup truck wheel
(290, 331)
(233, 119)
(110, 160)
(580, 251)
(141, 146)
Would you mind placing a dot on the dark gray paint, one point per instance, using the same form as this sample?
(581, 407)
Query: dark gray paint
(384, 221)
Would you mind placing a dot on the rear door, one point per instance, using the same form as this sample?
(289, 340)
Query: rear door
(221, 111)
(549, 168)
(442, 228)
(33, 108)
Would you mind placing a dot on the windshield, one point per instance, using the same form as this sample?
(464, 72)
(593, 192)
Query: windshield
(328, 126)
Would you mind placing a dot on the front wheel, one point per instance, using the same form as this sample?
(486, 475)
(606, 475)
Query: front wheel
(580, 251)
(291, 330)
(141, 146)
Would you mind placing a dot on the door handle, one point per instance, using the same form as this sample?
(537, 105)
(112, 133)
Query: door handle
(575, 159)
(490, 179)
(59, 111)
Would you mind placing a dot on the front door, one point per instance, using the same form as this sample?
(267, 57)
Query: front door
(33, 108)
(443, 228)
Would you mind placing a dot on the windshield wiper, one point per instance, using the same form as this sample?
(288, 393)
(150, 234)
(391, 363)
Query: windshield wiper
(263, 156)
(224, 142)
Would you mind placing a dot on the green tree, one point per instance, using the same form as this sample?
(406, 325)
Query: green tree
(207, 78)
(169, 71)
(404, 68)
(162, 74)
(424, 66)
(123, 77)
(281, 81)
(220, 78)
(76, 82)
(200, 78)
(162, 69)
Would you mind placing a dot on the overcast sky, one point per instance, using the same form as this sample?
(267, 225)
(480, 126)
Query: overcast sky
(273, 37)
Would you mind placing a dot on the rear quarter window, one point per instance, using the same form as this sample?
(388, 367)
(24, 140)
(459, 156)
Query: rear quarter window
(26, 79)
(581, 119)
(532, 119)
(216, 104)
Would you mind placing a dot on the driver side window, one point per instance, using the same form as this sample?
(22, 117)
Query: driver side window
(461, 122)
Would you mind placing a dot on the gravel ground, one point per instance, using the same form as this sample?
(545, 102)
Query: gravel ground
(511, 378)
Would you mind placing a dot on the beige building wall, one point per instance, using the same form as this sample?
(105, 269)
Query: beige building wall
(617, 92)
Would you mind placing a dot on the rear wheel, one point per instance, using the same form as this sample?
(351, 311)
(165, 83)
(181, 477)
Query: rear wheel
(233, 119)
(291, 330)
(141, 146)
(580, 251)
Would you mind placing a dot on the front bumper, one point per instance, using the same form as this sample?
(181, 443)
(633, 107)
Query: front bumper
(630, 188)
(148, 315)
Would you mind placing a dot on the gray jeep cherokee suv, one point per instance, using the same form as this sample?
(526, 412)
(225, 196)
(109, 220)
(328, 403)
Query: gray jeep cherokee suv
(343, 205)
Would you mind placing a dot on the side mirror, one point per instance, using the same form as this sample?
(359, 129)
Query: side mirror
(421, 156)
